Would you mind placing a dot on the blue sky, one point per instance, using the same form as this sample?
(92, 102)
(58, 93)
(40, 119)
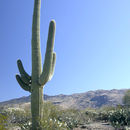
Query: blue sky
(92, 44)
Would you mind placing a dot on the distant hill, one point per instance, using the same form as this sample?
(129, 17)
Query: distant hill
(94, 99)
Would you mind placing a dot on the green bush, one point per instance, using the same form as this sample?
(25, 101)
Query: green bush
(50, 110)
(17, 117)
(50, 120)
(120, 117)
(103, 116)
(103, 113)
(72, 118)
(3, 122)
(126, 98)
(53, 124)
(91, 114)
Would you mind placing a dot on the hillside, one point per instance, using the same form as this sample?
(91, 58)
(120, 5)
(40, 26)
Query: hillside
(94, 99)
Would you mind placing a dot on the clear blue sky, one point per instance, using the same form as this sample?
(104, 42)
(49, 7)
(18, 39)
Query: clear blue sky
(92, 44)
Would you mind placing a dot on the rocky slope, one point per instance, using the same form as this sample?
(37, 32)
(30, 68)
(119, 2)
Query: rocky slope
(94, 99)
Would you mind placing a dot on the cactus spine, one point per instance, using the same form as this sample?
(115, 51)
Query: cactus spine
(34, 83)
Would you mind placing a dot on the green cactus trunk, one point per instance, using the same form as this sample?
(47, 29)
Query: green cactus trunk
(37, 90)
(37, 107)
(39, 77)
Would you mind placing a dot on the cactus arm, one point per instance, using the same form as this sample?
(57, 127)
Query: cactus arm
(22, 84)
(49, 55)
(25, 80)
(53, 66)
(22, 71)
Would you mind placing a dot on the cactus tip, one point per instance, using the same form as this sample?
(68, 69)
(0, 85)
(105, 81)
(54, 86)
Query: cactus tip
(18, 61)
(52, 22)
(17, 76)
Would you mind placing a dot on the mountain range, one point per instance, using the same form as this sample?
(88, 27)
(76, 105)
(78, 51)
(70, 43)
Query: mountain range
(93, 99)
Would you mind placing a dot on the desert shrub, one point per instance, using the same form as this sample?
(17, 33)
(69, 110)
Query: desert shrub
(103, 113)
(3, 122)
(120, 117)
(50, 119)
(50, 110)
(72, 118)
(91, 114)
(17, 117)
(53, 124)
(69, 117)
(106, 108)
(126, 98)
(103, 116)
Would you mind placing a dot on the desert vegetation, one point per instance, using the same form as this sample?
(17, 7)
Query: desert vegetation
(55, 118)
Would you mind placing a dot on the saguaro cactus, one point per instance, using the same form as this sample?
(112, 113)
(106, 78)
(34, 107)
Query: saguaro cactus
(34, 83)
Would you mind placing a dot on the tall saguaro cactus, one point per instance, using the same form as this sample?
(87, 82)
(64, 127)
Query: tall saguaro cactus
(39, 77)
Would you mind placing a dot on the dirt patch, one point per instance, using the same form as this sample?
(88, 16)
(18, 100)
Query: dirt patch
(95, 126)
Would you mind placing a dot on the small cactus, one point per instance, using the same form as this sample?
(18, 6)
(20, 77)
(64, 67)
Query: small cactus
(34, 83)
